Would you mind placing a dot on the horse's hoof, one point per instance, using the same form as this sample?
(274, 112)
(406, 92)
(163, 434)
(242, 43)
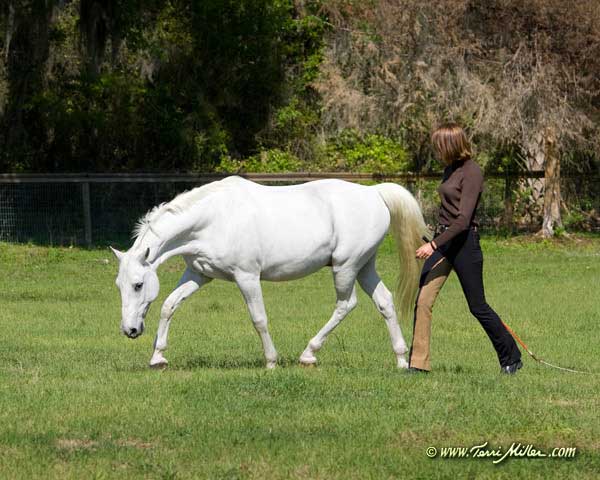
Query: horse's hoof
(160, 365)
(308, 360)
(308, 365)
(271, 365)
(402, 363)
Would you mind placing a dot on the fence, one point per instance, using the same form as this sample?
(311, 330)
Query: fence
(97, 209)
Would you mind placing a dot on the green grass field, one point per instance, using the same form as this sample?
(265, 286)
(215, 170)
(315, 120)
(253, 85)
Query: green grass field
(77, 400)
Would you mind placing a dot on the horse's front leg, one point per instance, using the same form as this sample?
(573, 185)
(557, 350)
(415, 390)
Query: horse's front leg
(188, 284)
(249, 285)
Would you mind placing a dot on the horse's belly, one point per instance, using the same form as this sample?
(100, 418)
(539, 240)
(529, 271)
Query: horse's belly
(294, 269)
(296, 246)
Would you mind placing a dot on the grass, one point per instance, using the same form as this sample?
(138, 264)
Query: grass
(77, 400)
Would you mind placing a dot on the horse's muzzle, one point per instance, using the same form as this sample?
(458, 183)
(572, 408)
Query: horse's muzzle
(134, 332)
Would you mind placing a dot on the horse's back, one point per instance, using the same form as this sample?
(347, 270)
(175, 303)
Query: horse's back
(348, 217)
(346, 206)
(332, 194)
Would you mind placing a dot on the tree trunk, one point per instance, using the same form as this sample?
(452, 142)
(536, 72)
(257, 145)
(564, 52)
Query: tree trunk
(98, 26)
(10, 26)
(23, 129)
(552, 197)
(535, 163)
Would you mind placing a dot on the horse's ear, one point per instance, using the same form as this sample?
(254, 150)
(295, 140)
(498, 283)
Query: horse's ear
(117, 254)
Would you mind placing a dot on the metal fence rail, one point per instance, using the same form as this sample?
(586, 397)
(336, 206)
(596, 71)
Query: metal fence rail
(89, 209)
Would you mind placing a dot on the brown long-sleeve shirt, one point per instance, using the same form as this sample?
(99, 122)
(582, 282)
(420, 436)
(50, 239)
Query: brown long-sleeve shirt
(459, 191)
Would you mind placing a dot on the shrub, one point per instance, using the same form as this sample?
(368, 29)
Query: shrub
(369, 154)
(266, 161)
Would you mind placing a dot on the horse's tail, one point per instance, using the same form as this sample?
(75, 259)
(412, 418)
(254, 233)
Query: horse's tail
(407, 227)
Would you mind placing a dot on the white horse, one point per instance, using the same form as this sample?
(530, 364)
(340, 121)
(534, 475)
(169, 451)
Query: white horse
(240, 231)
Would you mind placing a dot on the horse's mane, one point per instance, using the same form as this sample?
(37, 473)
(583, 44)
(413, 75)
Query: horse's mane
(182, 202)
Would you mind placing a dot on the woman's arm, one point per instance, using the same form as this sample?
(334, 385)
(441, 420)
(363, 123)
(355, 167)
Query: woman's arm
(471, 188)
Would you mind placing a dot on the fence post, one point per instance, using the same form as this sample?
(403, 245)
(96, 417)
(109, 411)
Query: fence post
(87, 214)
(508, 203)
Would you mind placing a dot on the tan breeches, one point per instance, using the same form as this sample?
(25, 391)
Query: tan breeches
(431, 286)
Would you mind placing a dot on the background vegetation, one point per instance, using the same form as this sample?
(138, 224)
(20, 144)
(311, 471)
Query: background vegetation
(289, 85)
(277, 85)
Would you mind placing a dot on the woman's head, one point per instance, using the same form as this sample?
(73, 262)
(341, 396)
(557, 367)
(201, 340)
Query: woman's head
(450, 143)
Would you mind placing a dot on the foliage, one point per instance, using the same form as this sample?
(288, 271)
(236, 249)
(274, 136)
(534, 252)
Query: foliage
(348, 152)
(371, 154)
(151, 85)
(575, 220)
(268, 161)
(179, 85)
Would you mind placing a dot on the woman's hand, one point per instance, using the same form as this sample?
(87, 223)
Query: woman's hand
(425, 251)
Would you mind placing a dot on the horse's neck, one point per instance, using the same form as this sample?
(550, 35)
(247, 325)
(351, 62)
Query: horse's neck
(165, 239)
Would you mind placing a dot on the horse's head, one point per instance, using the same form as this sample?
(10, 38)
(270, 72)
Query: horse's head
(138, 283)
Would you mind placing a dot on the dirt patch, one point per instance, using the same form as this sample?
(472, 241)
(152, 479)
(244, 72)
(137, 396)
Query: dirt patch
(560, 402)
(76, 444)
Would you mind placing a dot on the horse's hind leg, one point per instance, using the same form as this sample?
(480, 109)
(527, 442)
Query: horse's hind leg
(371, 283)
(188, 284)
(346, 301)
(249, 285)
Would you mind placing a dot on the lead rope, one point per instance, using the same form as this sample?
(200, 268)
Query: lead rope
(538, 359)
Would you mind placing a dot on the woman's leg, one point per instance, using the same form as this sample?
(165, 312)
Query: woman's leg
(468, 264)
(435, 272)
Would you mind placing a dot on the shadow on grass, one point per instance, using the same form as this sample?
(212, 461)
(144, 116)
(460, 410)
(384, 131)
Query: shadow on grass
(460, 369)
(45, 297)
(202, 362)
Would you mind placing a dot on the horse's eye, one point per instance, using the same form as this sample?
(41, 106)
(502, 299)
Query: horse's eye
(138, 286)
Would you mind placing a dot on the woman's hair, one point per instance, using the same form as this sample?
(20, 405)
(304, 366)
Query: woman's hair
(451, 143)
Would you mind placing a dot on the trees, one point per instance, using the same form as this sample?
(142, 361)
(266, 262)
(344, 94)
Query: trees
(545, 86)
(521, 75)
(100, 85)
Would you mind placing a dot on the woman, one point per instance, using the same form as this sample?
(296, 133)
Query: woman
(456, 246)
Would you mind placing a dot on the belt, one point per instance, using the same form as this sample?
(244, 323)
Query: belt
(442, 228)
